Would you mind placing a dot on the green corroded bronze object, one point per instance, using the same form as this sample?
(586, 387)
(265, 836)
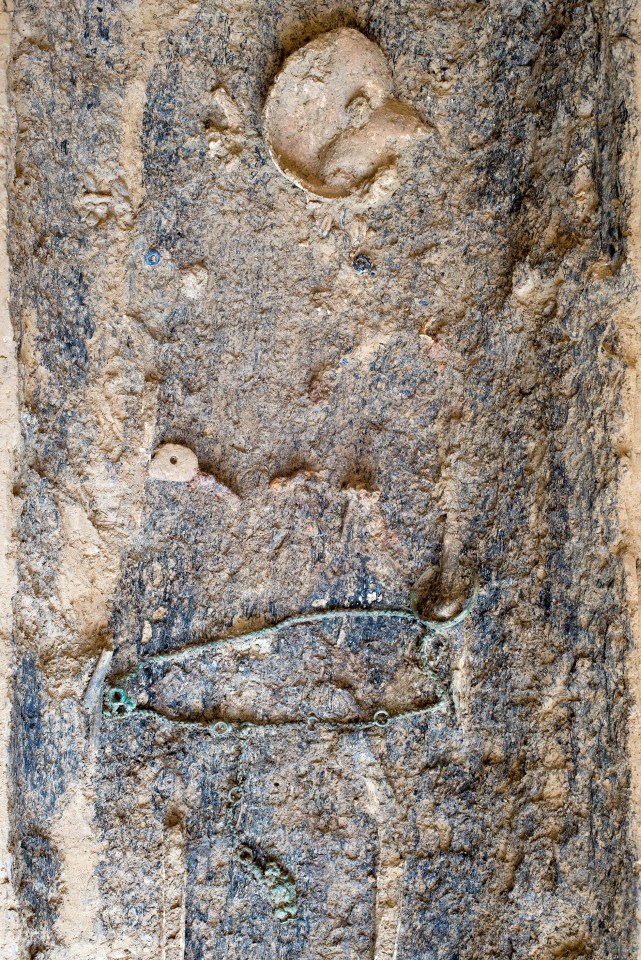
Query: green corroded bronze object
(118, 703)
(276, 882)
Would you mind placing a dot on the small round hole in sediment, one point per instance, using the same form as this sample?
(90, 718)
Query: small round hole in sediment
(362, 263)
(246, 855)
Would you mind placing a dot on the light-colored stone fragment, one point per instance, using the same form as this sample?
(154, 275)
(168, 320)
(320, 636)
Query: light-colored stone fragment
(332, 123)
(173, 462)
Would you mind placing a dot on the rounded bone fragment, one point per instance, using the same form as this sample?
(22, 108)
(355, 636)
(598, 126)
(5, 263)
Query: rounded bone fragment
(331, 122)
(173, 462)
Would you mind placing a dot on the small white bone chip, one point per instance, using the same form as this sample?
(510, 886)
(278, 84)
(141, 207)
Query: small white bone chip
(173, 462)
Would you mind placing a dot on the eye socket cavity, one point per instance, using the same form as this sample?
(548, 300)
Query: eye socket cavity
(359, 109)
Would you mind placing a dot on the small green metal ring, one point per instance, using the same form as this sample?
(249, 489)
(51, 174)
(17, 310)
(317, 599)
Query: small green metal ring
(381, 718)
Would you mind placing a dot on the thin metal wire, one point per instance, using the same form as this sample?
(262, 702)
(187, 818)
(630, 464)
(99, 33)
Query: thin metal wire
(311, 722)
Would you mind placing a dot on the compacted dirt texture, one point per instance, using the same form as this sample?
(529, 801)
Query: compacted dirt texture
(321, 625)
